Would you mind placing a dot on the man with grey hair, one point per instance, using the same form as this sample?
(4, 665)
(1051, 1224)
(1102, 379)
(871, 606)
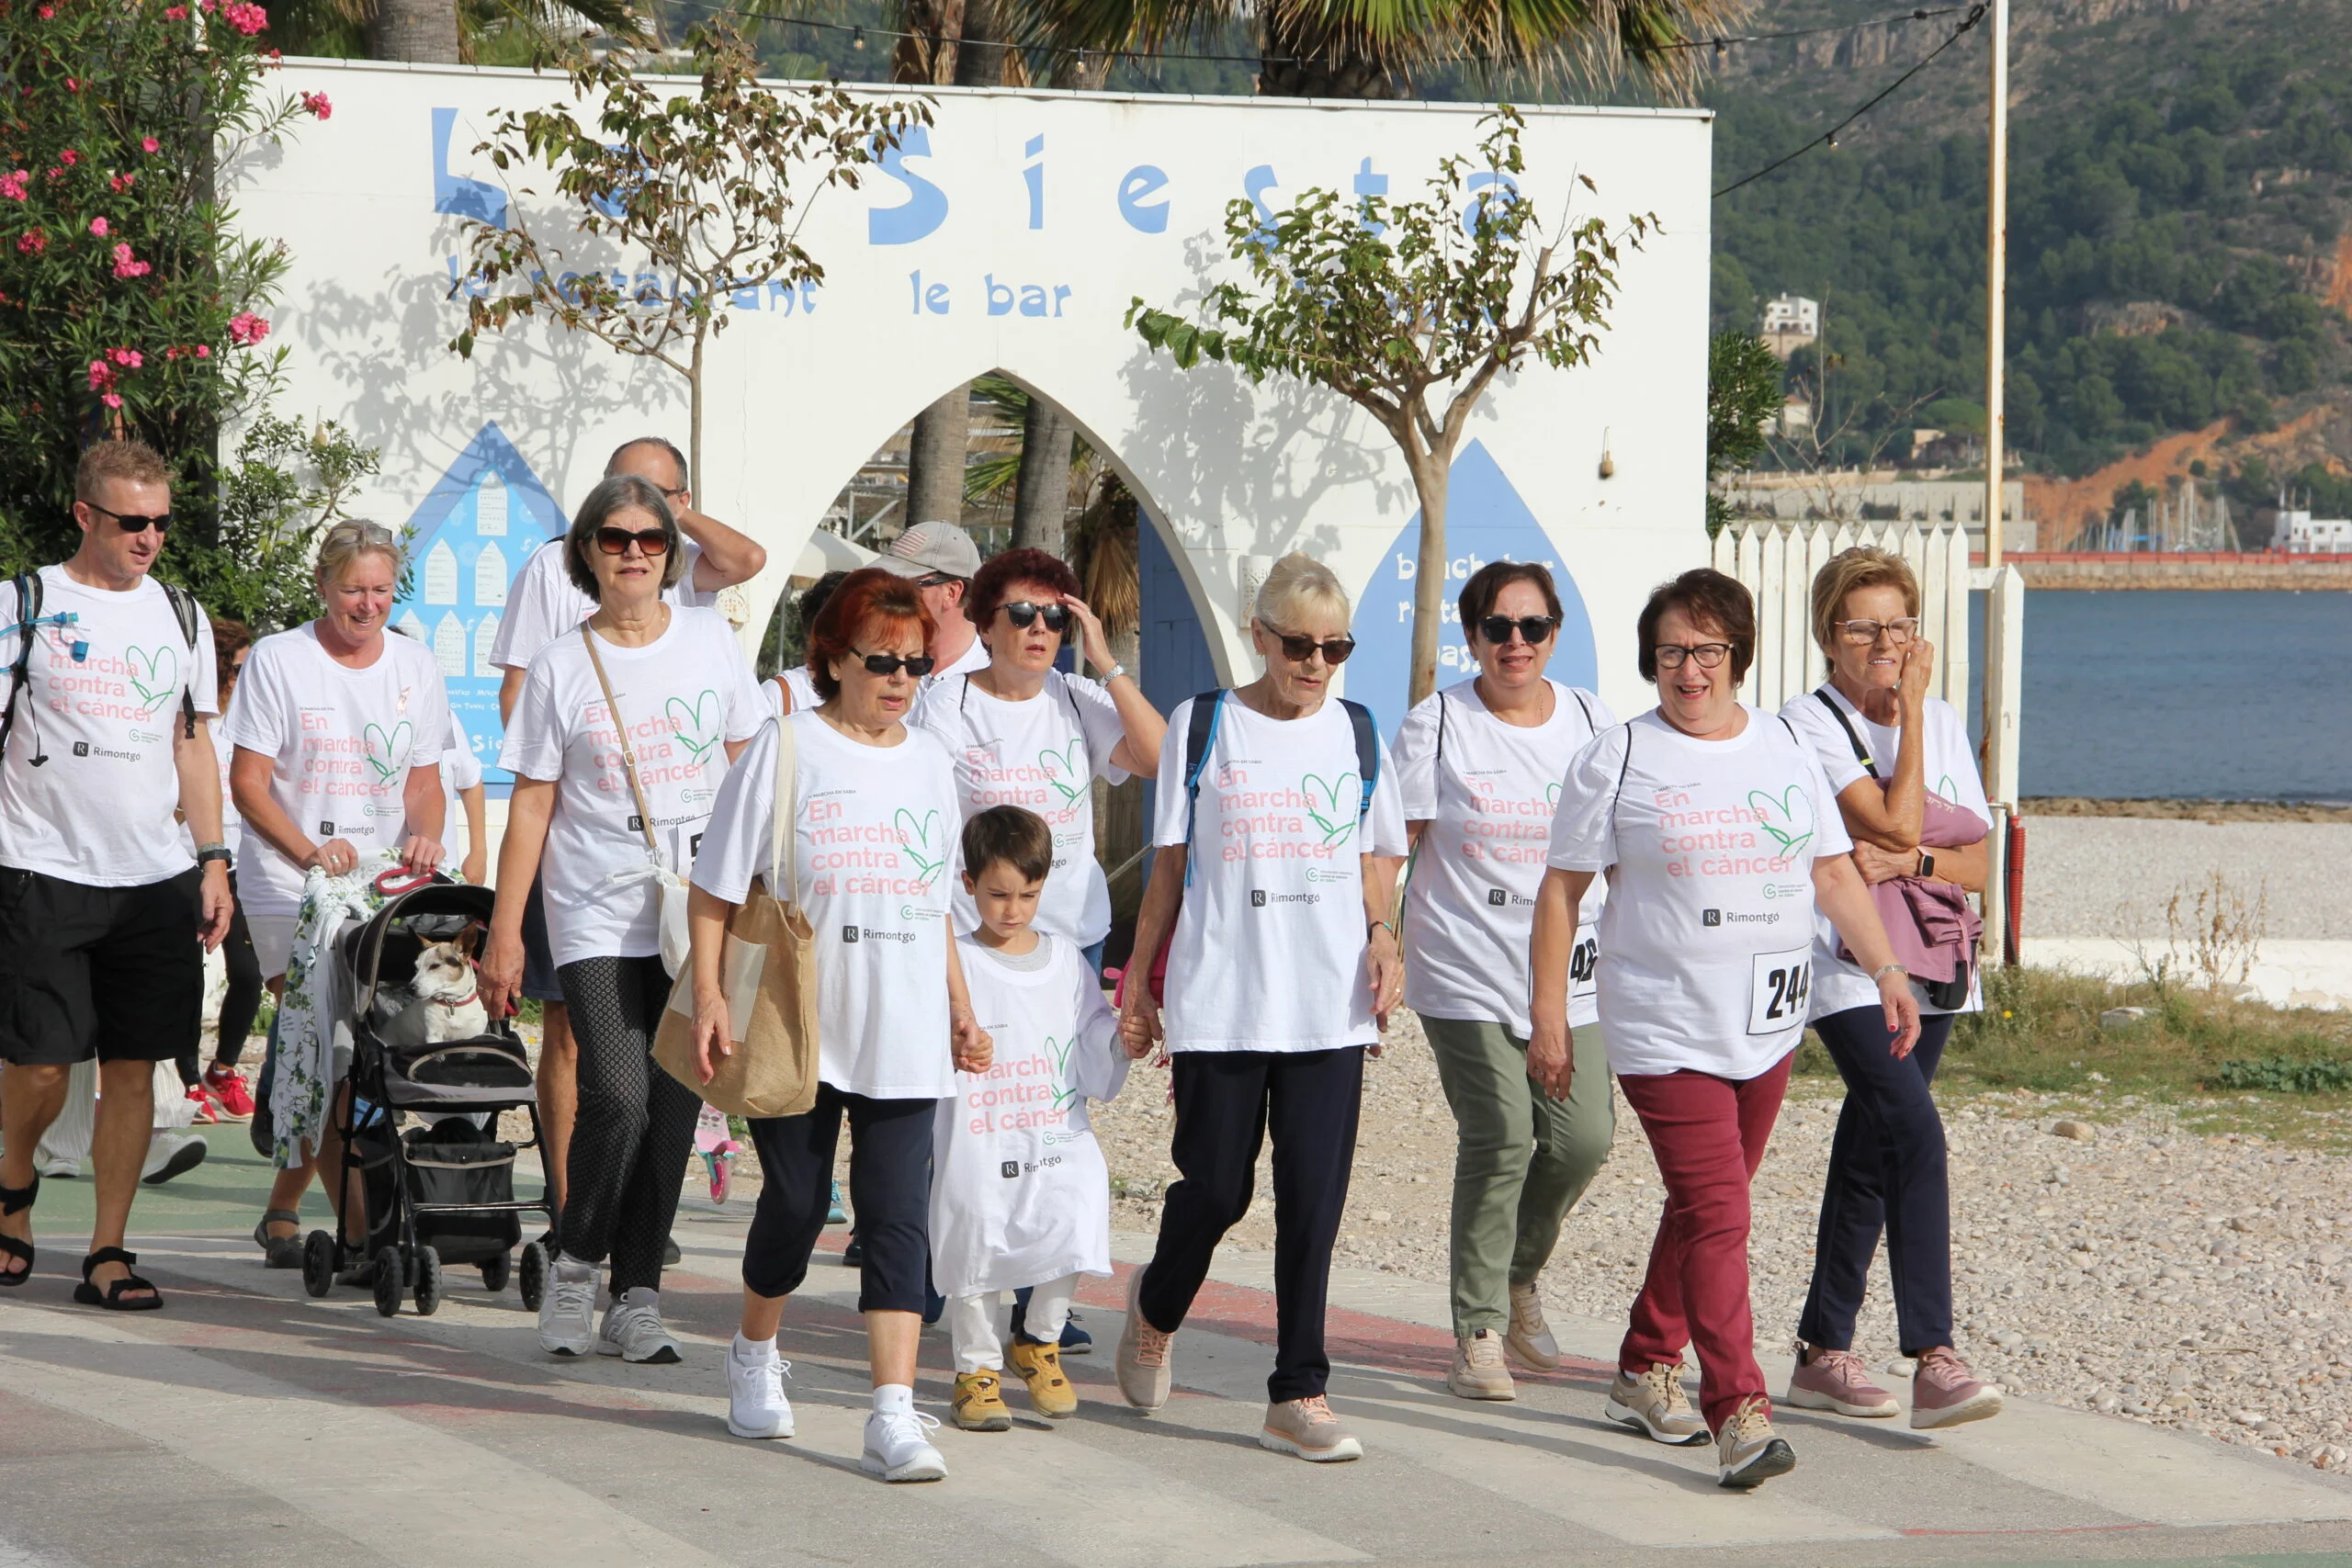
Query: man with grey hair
(942, 557)
(543, 605)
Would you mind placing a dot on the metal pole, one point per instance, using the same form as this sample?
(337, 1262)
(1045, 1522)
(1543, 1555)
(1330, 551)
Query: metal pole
(1997, 261)
(2004, 604)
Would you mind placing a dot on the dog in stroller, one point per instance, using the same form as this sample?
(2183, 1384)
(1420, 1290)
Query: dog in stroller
(420, 1120)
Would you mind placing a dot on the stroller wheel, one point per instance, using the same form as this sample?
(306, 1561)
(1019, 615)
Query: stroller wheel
(494, 1269)
(317, 1263)
(535, 1276)
(388, 1281)
(428, 1281)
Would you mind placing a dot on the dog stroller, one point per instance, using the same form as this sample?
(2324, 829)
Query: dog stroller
(439, 1189)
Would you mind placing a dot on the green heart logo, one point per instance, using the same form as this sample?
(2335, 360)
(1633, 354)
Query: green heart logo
(154, 676)
(1063, 1091)
(1066, 764)
(388, 750)
(1342, 798)
(918, 836)
(696, 724)
(1551, 796)
(1948, 790)
(1789, 820)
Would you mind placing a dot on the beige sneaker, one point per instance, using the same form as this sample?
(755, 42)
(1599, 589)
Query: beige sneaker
(1654, 1405)
(1142, 1362)
(1307, 1427)
(1040, 1365)
(1746, 1453)
(1478, 1369)
(980, 1403)
(1529, 1337)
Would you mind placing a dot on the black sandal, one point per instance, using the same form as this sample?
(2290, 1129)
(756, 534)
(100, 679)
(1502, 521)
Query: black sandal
(16, 1200)
(111, 1297)
(281, 1251)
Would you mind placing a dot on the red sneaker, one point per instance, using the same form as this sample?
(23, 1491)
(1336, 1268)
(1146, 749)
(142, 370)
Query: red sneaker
(229, 1092)
(206, 1110)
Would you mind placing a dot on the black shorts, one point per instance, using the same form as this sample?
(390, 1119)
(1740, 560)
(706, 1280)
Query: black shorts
(539, 981)
(114, 972)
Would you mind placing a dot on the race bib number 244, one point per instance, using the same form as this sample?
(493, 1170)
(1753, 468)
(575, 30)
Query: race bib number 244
(1777, 994)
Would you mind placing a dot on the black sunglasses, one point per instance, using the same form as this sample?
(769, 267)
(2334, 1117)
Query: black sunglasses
(1532, 629)
(1023, 614)
(918, 666)
(1299, 650)
(616, 541)
(130, 521)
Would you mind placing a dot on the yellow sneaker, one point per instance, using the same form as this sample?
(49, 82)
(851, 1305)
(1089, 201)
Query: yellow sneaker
(1040, 1365)
(979, 1406)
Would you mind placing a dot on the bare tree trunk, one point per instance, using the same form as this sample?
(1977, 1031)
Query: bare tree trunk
(935, 459)
(420, 32)
(693, 410)
(980, 56)
(928, 54)
(1041, 497)
(1430, 582)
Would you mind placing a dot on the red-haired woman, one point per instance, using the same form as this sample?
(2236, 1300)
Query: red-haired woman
(873, 815)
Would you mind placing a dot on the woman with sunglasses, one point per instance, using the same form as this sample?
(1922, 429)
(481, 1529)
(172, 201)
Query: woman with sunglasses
(1909, 791)
(1721, 838)
(873, 815)
(1479, 765)
(1021, 733)
(621, 735)
(1274, 876)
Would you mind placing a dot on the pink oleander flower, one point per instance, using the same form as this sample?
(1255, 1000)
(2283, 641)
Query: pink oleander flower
(129, 358)
(204, 351)
(98, 227)
(32, 242)
(120, 183)
(101, 375)
(245, 328)
(73, 84)
(69, 157)
(47, 12)
(126, 265)
(317, 103)
(13, 186)
(149, 144)
(112, 400)
(175, 13)
(246, 16)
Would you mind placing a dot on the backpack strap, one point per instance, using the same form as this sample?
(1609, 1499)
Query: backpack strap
(1853, 737)
(183, 604)
(1200, 735)
(1622, 769)
(1367, 758)
(1440, 730)
(1589, 727)
(27, 585)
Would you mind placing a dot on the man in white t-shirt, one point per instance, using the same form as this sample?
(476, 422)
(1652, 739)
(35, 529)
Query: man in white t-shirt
(542, 606)
(942, 558)
(110, 686)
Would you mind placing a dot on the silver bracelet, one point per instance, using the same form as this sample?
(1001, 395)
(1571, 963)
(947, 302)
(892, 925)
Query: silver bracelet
(1883, 970)
(1114, 673)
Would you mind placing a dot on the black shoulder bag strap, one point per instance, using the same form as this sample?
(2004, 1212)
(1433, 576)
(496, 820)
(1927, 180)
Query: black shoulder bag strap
(1853, 737)
(27, 584)
(183, 604)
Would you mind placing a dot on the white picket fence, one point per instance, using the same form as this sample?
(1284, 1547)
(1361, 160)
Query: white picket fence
(1777, 561)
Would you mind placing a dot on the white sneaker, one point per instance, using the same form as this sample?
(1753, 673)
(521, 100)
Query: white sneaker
(62, 1169)
(633, 1328)
(896, 1448)
(567, 1312)
(170, 1154)
(755, 1403)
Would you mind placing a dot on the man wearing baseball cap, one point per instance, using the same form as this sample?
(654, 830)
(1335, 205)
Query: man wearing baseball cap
(941, 558)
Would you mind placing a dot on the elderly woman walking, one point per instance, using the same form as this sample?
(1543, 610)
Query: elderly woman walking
(1721, 839)
(1279, 830)
(865, 855)
(619, 738)
(1479, 765)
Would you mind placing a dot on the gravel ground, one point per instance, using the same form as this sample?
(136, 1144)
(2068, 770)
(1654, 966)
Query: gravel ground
(2179, 1281)
(2112, 876)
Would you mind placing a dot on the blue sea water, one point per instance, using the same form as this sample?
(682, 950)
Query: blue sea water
(2194, 695)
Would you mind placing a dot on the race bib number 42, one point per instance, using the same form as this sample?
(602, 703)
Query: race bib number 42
(1781, 987)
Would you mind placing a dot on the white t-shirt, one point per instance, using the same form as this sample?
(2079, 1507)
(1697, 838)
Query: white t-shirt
(1706, 942)
(1268, 950)
(1042, 755)
(870, 844)
(97, 810)
(682, 697)
(1019, 1192)
(975, 657)
(1951, 769)
(804, 691)
(460, 771)
(543, 603)
(1487, 790)
(232, 825)
(341, 743)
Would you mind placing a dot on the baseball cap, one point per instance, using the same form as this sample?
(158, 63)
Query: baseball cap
(929, 548)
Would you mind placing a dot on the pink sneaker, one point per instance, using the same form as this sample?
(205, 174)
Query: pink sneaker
(1839, 1381)
(1944, 1393)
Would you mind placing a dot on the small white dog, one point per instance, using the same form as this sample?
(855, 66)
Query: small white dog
(444, 999)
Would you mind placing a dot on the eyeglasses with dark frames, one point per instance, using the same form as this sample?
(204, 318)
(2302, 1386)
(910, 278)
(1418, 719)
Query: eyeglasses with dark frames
(918, 666)
(1710, 655)
(132, 522)
(1299, 650)
(1022, 613)
(616, 541)
(1531, 629)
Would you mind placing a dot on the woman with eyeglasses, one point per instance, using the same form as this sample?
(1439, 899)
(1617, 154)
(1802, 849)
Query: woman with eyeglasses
(624, 727)
(1910, 798)
(1479, 765)
(874, 817)
(1721, 838)
(1278, 831)
(1022, 733)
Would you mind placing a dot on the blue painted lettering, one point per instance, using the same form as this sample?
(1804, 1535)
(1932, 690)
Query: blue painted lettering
(1144, 217)
(1033, 176)
(925, 208)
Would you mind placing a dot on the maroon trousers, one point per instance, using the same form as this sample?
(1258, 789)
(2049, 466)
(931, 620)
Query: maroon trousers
(1709, 1135)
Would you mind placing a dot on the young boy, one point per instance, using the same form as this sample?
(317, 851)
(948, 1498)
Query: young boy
(1020, 1195)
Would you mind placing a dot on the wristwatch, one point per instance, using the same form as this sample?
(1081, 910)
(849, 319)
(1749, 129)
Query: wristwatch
(1927, 863)
(1112, 673)
(204, 852)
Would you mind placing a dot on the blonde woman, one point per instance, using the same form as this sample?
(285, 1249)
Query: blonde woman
(1278, 834)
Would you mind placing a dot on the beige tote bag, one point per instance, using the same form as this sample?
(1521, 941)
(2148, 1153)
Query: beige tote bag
(769, 970)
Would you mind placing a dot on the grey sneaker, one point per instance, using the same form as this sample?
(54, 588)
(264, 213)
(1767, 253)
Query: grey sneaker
(1478, 1369)
(1944, 1393)
(1307, 1427)
(1836, 1380)
(1144, 1374)
(1529, 1337)
(633, 1328)
(1654, 1405)
(1746, 1453)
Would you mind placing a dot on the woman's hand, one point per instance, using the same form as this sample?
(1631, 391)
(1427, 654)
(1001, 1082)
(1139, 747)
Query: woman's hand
(335, 857)
(1091, 640)
(421, 855)
(1387, 972)
(1552, 1057)
(712, 1027)
(477, 864)
(1919, 673)
(501, 971)
(1902, 1012)
(1879, 865)
(1139, 1028)
(973, 1048)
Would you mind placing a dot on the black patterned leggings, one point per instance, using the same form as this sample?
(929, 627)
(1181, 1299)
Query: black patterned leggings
(635, 1127)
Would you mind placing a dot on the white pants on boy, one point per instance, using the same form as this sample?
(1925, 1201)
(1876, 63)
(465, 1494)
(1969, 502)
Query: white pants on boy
(974, 1331)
